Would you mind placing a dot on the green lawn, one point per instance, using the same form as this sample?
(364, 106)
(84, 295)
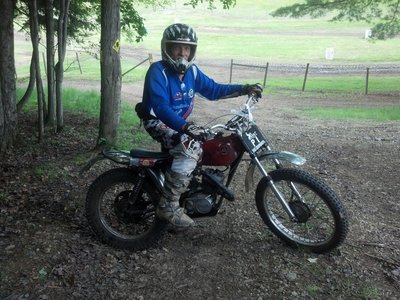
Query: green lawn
(359, 113)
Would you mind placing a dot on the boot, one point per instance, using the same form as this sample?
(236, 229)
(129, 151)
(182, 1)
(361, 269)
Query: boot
(168, 208)
(173, 213)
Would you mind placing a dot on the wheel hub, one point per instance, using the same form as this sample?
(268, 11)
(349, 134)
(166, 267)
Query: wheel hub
(300, 210)
(125, 210)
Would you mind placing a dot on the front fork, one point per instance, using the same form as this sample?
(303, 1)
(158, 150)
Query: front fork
(276, 192)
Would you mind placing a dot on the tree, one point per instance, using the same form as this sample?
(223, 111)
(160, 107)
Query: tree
(31, 85)
(34, 27)
(110, 66)
(77, 15)
(78, 27)
(8, 108)
(111, 24)
(51, 116)
(384, 14)
(62, 48)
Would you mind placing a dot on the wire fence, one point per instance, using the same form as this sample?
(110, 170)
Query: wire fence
(317, 69)
(305, 76)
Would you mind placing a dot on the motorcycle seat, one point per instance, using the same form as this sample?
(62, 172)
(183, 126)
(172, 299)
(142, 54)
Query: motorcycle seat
(149, 154)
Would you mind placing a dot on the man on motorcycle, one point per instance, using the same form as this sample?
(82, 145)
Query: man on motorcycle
(168, 99)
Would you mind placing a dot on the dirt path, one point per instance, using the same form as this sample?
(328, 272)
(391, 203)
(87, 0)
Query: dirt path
(48, 252)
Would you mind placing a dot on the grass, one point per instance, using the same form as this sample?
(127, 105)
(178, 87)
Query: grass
(345, 84)
(353, 83)
(371, 292)
(326, 83)
(88, 103)
(358, 113)
(247, 31)
(298, 48)
(50, 170)
(74, 101)
(129, 134)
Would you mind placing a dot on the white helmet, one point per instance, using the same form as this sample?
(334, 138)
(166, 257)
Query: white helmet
(179, 34)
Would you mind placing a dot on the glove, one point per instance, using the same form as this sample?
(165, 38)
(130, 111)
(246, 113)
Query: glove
(194, 131)
(249, 89)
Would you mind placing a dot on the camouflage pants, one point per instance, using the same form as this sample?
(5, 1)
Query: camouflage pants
(185, 151)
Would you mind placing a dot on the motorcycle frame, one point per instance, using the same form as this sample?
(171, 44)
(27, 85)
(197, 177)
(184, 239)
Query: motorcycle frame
(155, 170)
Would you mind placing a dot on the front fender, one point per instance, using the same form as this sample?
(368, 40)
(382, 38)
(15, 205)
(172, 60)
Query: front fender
(273, 156)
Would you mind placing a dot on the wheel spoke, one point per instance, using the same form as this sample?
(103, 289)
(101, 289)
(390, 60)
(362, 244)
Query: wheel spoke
(313, 203)
(311, 231)
(122, 218)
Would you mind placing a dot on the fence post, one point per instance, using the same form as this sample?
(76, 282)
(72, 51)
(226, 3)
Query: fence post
(366, 82)
(265, 74)
(150, 58)
(305, 77)
(230, 75)
(77, 59)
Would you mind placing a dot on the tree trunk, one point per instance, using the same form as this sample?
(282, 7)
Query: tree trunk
(31, 85)
(34, 28)
(62, 45)
(110, 72)
(8, 107)
(51, 101)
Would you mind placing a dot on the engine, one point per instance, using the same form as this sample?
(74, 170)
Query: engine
(202, 195)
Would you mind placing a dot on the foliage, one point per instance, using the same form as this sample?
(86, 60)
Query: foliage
(226, 4)
(80, 20)
(384, 14)
(84, 17)
(131, 22)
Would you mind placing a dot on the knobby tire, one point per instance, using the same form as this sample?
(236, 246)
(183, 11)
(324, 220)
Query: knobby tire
(114, 220)
(325, 222)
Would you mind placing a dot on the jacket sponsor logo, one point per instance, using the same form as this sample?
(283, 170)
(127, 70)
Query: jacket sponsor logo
(178, 96)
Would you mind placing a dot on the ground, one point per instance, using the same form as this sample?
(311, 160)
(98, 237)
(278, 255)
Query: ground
(47, 250)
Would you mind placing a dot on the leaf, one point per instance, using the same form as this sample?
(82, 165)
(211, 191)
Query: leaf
(312, 260)
(42, 274)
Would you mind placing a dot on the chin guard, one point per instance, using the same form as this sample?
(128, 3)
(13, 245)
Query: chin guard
(182, 65)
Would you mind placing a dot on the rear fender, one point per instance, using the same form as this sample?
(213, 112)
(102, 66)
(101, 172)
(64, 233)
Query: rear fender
(121, 157)
(124, 158)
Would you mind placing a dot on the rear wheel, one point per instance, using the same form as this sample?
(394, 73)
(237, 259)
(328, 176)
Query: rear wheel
(321, 223)
(118, 218)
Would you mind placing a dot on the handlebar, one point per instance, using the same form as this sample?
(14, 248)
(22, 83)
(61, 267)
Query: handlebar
(240, 118)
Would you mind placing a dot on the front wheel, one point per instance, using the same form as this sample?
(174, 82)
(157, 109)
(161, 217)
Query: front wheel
(116, 216)
(321, 223)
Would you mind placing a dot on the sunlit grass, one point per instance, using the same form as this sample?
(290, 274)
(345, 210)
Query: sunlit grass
(356, 113)
(329, 83)
(88, 103)
(248, 31)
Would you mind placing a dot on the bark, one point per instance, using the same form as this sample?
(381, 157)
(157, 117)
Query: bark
(8, 107)
(110, 72)
(51, 118)
(34, 28)
(62, 44)
(32, 80)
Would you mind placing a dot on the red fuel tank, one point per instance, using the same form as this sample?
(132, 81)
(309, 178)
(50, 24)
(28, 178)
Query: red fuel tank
(222, 150)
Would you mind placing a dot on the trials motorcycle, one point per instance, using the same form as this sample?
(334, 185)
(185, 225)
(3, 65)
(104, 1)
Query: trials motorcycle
(296, 206)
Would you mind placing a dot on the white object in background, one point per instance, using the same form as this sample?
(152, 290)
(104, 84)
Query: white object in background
(329, 53)
(368, 34)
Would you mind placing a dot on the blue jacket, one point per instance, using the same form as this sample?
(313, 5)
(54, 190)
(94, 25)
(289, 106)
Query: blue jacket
(171, 100)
